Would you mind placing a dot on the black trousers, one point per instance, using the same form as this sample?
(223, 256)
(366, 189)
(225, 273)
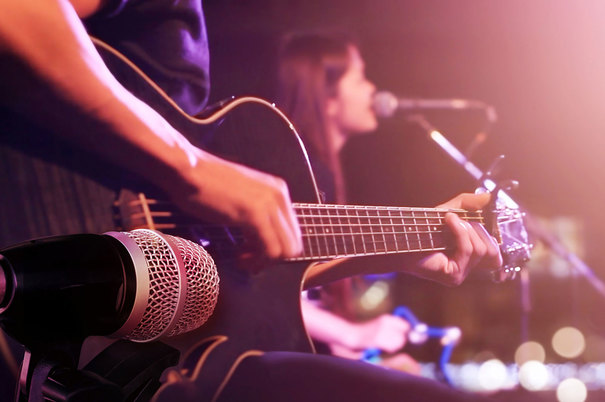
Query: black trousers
(302, 377)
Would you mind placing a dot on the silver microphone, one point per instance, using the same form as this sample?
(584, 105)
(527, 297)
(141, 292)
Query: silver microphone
(140, 285)
(385, 104)
(177, 285)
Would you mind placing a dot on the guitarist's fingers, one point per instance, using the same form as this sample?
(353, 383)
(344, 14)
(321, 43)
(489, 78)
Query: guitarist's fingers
(474, 246)
(287, 225)
(264, 226)
(268, 227)
(287, 235)
(276, 224)
(478, 243)
(458, 266)
(467, 201)
(492, 257)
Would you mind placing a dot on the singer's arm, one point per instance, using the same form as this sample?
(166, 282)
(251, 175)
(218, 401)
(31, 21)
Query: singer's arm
(386, 332)
(474, 247)
(53, 73)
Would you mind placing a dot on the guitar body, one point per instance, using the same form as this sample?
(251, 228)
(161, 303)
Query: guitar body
(254, 311)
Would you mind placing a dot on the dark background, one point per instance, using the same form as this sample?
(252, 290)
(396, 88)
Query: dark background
(540, 63)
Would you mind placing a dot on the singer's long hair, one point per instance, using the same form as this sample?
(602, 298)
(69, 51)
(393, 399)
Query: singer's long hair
(310, 65)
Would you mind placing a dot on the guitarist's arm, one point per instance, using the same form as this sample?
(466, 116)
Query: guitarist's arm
(53, 73)
(473, 247)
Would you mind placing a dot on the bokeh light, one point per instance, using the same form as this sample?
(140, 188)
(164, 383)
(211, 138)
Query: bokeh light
(533, 375)
(469, 377)
(492, 375)
(374, 295)
(568, 342)
(529, 351)
(571, 390)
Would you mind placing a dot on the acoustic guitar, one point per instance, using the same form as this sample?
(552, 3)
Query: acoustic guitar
(260, 312)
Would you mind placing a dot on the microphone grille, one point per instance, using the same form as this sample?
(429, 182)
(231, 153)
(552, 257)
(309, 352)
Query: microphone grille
(385, 104)
(177, 293)
(202, 286)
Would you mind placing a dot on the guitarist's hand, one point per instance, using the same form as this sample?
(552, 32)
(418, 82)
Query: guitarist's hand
(474, 246)
(69, 78)
(226, 192)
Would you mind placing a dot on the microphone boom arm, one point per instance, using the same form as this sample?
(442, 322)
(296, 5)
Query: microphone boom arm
(534, 227)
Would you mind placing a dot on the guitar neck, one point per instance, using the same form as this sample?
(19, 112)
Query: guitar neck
(331, 231)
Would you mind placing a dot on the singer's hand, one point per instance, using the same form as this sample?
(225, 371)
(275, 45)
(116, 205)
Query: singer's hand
(226, 192)
(349, 339)
(386, 332)
(474, 246)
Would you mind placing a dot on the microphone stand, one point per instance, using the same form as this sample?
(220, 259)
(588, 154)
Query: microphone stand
(536, 229)
(124, 371)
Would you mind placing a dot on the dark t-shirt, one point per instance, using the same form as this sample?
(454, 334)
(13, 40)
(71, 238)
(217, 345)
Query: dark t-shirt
(166, 39)
(51, 188)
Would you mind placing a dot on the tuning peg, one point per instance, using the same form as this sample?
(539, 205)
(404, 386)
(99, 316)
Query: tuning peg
(506, 185)
(491, 171)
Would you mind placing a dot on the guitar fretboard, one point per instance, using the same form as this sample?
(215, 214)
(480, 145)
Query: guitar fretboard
(331, 231)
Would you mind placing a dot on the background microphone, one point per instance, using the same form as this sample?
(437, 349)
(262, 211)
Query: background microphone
(140, 285)
(385, 104)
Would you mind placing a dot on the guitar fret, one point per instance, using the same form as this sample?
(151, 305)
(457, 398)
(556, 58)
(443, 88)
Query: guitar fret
(369, 218)
(309, 231)
(437, 223)
(302, 222)
(404, 230)
(332, 226)
(314, 231)
(325, 231)
(412, 231)
(415, 230)
(426, 242)
(428, 226)
(380, 219)
(319, 231)
(351, 235)
(393, 230)
(363, 243)
(340, 213)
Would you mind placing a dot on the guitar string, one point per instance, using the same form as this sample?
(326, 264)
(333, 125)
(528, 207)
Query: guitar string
(347, 239)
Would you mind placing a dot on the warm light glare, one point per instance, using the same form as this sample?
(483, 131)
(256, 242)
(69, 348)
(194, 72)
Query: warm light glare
(533, 375)
(492, 375)
(374, 295)
(571, 390)
(568, 342)
(529, 351)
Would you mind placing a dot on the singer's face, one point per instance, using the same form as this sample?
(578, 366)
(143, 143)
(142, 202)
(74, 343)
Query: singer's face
(351, 108)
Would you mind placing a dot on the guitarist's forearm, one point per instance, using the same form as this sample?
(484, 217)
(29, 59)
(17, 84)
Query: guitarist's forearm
(57, 77)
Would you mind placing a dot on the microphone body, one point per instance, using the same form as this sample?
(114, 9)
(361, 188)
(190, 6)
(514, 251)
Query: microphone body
(139, 285)
(386, 104)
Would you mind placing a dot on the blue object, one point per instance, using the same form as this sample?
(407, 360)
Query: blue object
(419, 333)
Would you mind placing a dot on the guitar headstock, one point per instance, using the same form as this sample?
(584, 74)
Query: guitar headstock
(505, 221)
